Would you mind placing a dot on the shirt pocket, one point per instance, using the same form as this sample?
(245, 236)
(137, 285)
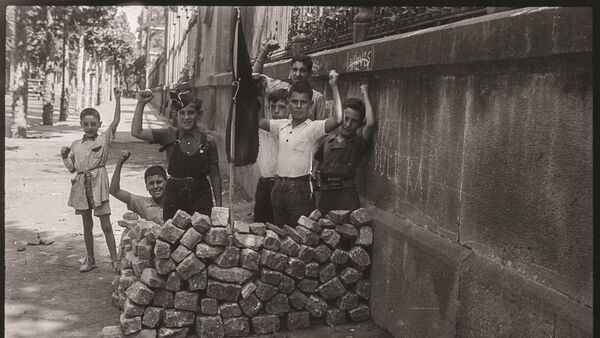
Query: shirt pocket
(300, 146)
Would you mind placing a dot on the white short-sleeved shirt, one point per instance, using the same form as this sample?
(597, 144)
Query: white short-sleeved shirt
(296, 145)
(267, 153)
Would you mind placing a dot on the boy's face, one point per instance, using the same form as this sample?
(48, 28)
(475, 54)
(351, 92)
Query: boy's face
(155, 185)
(278, 109)
(299, 103)
(187, 118)
(299, 72)
(352, 120)
(90, 125)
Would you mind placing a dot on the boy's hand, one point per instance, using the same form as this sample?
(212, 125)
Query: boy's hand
(271, 45)
(145, 96)
(117, 92)
(333, 77)
(124, 156)
(64, 152)
(364, 88)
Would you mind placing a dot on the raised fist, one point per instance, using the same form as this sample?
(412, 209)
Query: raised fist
(271, 45)
(364, 88)
(333, 77)
(124, 156)
(117, 92)
(145, 96)
(64, 152)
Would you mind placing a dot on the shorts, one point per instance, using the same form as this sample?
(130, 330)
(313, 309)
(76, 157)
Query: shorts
(101, 210)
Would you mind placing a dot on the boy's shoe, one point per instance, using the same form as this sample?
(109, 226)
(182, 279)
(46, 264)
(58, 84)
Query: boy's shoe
(88, 265)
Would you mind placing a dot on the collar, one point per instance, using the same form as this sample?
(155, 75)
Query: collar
(307, 121)
(194, 133)
(85, 137)
(346, 140)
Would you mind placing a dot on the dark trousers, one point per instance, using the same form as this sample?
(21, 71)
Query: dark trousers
(290, 200)
(338, 199)
(263, 209)
(189, 195)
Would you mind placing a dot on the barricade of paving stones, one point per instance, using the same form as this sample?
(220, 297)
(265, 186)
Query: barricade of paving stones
(196, 277)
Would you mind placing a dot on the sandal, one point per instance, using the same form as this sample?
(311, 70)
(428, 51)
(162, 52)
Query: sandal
(89, 264)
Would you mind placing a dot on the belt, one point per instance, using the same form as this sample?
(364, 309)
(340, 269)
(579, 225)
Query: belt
(89, 170)
(270, 179)
(341, 184)
(299, 178)
(182, 178)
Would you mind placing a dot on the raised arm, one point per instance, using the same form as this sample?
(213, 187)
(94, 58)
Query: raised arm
(337, 118)
(370, 123)
(267, 48)
(117, 117)
(264, 124)
(136, 124)
(215, 181)
(115, 182)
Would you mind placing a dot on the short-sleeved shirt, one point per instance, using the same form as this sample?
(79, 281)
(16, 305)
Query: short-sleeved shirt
(268, 151)
(86, 155)
(296, 145)
(189, 142)
(340, 159)
(146, 207)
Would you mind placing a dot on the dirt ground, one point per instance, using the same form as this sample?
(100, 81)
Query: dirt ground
(45, 294)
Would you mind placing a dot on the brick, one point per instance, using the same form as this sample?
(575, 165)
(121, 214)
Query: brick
(151, 278)
(127, 278)
(126, 223)
(305, 253)
(163, 298)
(249, 259)
(207, 251)
(151, 316)
(363, 289)
(296, 268)
(130, 325)
(264, 291)
(258, 229)
(326, 223)
(173, 332)
(170, 233)
(164, 266)
(293, 234)
(315, 215)
(177, 318)
(189, 267)
(360, 256)
(145, 249)
(327, 273)
(307, 285)
(223, 291)
(140, 293)
(198, 281)
(309, 224)
(182, 219)
(347, 301)
(350, 276)
(219, 216)
(280, 231)
(289, 247)
(360, 217)
(274, 260)
(265, 324)
(162, 249)
(180, 254)
(298, 299)
(185, 300)
(365, 236)
(144, 333)
(209, 327)
(272, 241)
(241, 227)
(316, 306)
(360, 313)
(309, 237)
(270, 276)
(277, 305)
(236, 327)
(335, 316)
(174, 282)
(248, 241)
(286, 285)
(130, 216)
(248, 289)
(135, 233)
(251, 305)
(332, 289)
(339, 257)
(191, 238)
(114, 300)
(339, 216)
(312, 270)
(200, 222)
(209, 306)
(134, 246)
(330, 237)
(217, 236)
(230, 275)
(230, 310)
(132, 309)
(347, 230)
(229, 258)
(321, 253)
(298, 320)
(112, 332)
(139, 265)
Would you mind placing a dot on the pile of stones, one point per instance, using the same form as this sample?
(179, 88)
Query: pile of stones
(194, 276)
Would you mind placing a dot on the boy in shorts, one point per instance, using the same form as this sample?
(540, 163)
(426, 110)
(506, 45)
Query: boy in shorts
(89, 191)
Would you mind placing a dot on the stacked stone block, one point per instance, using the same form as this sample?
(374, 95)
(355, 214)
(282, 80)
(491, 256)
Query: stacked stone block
(196, 276)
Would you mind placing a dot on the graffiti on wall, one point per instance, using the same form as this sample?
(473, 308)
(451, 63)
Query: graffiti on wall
(360, 59)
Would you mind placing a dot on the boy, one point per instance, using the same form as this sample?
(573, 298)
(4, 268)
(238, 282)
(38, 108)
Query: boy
(148, 208)
(89, 190)
(298, 137)
(267, 155)
(191, 156)
(340, 155)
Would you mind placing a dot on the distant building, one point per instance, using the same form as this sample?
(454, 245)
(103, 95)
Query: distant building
(151, 34)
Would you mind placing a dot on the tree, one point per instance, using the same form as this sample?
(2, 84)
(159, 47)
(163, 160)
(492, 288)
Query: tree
(16, 40)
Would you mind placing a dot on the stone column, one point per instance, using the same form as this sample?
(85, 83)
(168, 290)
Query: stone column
(362, 21)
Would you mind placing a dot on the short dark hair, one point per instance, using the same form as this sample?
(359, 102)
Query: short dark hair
(89, 112)
(278, 95)
(155, 170)
(305, 59)
(356, 104)
(303, 88)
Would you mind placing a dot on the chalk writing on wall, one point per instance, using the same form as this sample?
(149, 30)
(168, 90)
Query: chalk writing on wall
(359, 60)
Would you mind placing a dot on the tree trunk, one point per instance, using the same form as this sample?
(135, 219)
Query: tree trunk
(20, 73)
(94, 79)
(49, 73)
(64, 96)
(80, 83)
(86, 84)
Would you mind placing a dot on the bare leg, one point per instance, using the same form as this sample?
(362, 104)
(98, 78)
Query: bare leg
(88, 235)
(108, 234)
